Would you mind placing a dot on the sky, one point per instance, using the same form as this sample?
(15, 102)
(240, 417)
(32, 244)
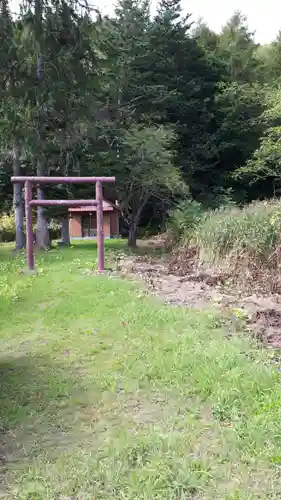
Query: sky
(263, 17)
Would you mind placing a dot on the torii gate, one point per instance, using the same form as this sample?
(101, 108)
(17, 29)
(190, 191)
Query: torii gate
(29, 182)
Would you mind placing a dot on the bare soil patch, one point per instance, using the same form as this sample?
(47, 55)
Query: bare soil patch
(186, 284)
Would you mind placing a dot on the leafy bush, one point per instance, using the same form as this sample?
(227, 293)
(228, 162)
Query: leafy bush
(7, 228)
(234, 235)
(54, 227)
(184, 218)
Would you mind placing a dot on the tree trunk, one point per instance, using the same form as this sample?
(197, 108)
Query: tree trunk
(134, 222)
(42, 233)
(132, 238)
(18, 202)
(163, 226)
(65, 239)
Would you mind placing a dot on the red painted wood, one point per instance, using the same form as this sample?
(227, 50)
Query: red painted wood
(100, 235)
(62, 203)
(62, 180)
(29, 232)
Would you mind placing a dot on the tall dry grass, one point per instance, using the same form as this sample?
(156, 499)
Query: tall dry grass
(245, 242)
(234, 236)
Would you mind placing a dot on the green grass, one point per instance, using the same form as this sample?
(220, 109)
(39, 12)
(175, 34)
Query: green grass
(107, 394)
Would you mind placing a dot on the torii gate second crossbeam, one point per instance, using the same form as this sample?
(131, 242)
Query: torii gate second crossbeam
(29, 182)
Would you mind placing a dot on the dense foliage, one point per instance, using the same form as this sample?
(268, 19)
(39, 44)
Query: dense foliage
(174, 110)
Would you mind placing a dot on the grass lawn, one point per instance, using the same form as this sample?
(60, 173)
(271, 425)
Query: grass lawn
(107, 394)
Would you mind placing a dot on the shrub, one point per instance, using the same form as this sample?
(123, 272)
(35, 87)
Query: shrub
(183, 220)
(235, 236)
(7, 228)
(54, 227)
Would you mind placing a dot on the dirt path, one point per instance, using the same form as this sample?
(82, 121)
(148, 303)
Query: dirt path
(260, 314)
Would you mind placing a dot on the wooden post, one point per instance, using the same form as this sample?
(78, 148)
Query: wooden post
(100, 236)
(28, 219)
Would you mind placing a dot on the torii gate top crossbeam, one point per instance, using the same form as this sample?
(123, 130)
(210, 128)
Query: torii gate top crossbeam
(62, 203)
(62, 180)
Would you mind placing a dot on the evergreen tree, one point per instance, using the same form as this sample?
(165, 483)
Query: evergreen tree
(190, 77)
(79, 93)
(14, 110)
(134, 111)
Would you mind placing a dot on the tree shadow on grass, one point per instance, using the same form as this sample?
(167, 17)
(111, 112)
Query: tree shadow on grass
(114, 244)
(6, 251)
(33, 392)
(144, 247)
